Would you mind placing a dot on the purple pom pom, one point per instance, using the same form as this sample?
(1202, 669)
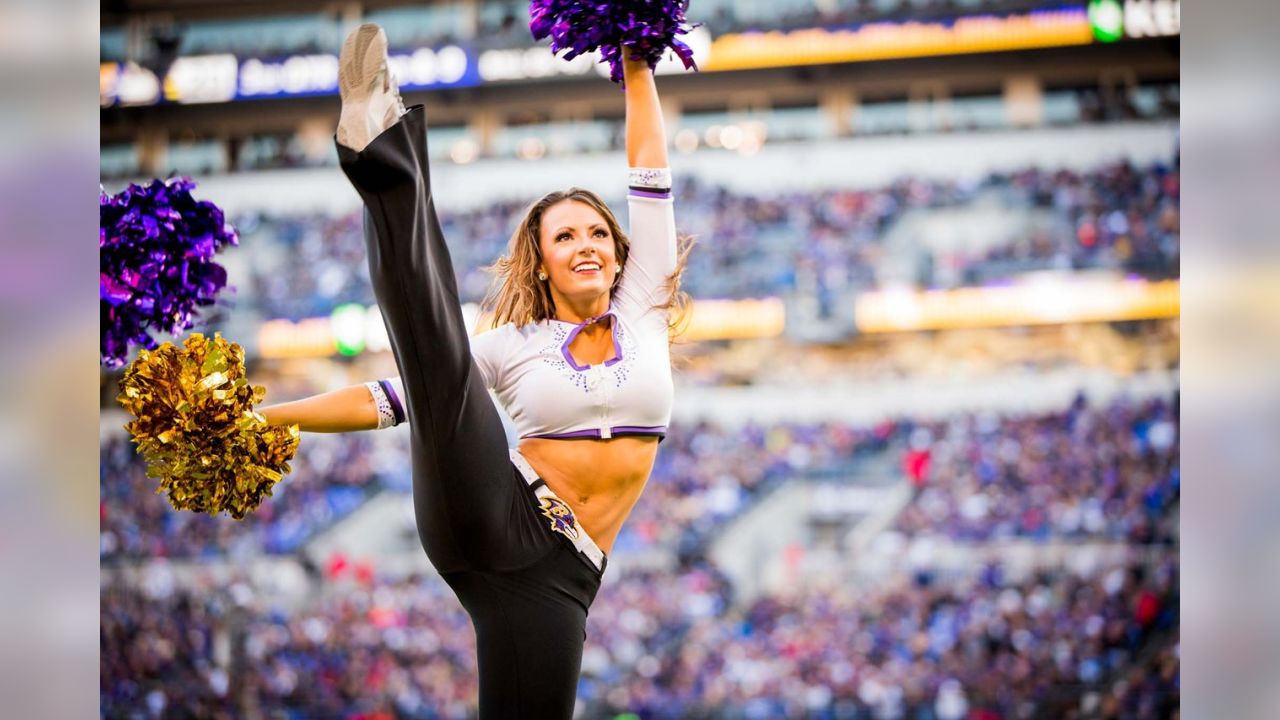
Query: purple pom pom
(646, 28)
(155, 252)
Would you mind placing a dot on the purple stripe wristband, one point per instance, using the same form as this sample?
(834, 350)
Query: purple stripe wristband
(396, 407)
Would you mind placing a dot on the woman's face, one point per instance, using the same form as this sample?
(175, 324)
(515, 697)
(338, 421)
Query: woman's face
(578, 253)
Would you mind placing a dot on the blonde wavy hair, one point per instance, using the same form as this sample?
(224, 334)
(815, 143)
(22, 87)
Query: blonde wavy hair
(516, 295)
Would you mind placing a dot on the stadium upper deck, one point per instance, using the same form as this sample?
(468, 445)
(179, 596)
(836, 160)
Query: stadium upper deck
(231, 72)
(267, 26)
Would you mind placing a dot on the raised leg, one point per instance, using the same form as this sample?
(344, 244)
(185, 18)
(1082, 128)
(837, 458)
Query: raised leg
(463, 488)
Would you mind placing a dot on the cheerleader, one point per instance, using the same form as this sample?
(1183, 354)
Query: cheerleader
(579, 357)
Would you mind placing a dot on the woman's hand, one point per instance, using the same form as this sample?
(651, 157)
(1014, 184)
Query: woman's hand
(646, 137)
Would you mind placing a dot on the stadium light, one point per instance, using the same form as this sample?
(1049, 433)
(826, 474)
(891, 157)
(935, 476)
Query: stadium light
(464, 151)
(731, 137)
(686, 141)
(531, 148)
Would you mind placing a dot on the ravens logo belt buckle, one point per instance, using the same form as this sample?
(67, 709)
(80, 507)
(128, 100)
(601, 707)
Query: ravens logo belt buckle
(561, 516)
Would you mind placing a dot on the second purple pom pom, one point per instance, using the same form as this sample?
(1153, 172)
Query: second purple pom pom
(644, 29)
(155, 249)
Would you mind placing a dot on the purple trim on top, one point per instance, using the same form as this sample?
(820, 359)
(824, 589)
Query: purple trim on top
(617, 347)
(639, 430)
(396, 408)
(656, 194)
(618, 431)
(613, 331)
(564, 350)
(570, 435)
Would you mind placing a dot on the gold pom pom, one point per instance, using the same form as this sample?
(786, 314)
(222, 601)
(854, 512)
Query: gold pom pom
(196, 427)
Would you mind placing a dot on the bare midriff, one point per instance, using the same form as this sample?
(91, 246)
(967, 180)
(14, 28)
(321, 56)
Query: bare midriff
(600, 479)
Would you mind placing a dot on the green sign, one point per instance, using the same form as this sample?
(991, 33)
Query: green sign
(1106, 17)
(348, 325)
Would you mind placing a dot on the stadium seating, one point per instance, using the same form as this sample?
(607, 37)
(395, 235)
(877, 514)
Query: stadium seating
(1118, 217)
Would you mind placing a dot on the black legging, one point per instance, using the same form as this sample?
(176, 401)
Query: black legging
(526, 588)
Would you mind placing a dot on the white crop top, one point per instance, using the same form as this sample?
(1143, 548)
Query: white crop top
(544, 390)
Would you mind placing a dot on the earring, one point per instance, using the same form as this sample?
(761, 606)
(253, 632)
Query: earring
(542, 275)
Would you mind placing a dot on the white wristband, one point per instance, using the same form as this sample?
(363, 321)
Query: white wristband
(650, 178)
(386, 416)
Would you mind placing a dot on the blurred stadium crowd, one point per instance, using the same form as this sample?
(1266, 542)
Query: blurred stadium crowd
(945, 649)
(662, 646)
(1105, 473)
(1108, 473)
(673, 644)
(677, 641)
(332, 476)
(1117, 217)
(939, 615)
(704, 476)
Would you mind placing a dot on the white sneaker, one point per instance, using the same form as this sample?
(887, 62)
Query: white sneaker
(370, 99)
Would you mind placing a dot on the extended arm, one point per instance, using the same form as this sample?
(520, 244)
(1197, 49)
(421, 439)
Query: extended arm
(378, 404)
(653, 255)
(369, 406)
(646, 137)
(345, 410)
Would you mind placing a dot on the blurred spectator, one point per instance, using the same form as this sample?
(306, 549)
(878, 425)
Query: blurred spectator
(1149, 690)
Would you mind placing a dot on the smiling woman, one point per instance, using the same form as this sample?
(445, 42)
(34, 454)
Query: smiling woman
(578, 356)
